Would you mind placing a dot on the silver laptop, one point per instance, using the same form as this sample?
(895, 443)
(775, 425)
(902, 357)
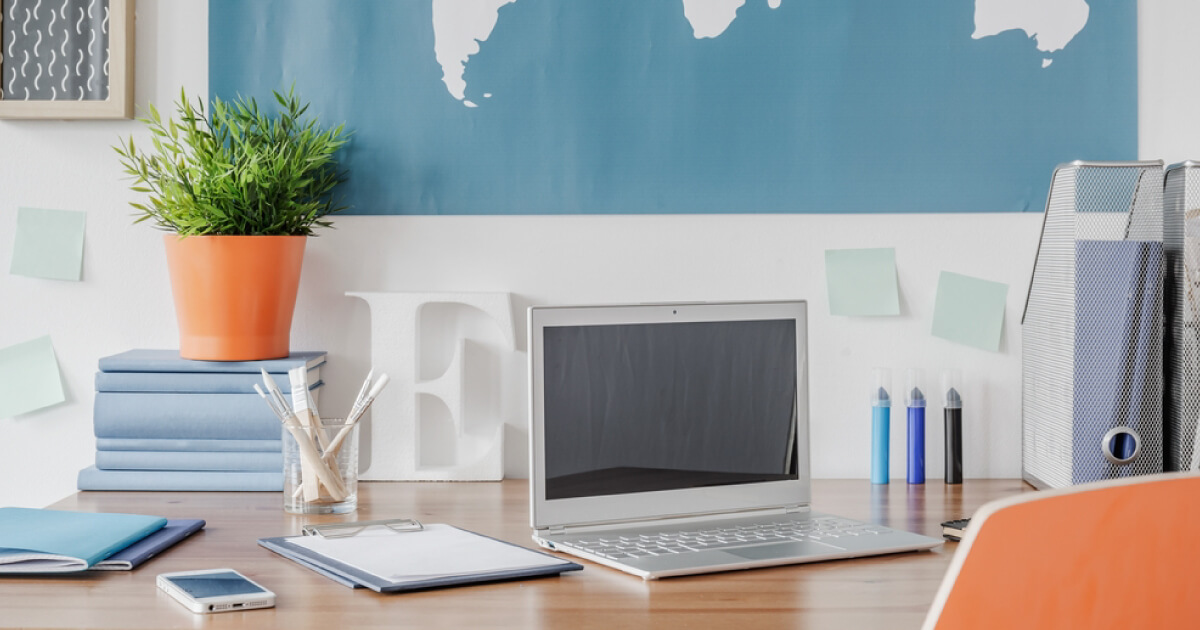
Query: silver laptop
(672, 439)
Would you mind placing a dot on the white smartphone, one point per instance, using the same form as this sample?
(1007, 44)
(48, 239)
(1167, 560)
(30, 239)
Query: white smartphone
(215, 590)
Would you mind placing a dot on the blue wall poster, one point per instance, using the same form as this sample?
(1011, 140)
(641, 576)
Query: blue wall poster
(695, 106)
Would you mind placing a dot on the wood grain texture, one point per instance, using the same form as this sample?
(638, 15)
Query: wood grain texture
(882, 592)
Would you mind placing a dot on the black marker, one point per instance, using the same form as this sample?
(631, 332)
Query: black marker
(953, 415)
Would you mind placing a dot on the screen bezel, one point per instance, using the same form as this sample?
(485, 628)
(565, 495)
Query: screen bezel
(546, 513)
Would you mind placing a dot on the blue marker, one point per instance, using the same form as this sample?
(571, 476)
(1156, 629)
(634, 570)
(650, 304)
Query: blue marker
(881, 415)
(916, 436)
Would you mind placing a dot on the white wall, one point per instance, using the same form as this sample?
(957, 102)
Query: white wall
(124, 299)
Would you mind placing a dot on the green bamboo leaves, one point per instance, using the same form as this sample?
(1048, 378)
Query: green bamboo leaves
(241, 172)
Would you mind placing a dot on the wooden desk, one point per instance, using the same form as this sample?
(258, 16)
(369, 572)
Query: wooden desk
(883, 592)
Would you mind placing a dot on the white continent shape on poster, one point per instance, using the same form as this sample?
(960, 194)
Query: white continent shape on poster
(710, 18)
(458, 27)
(1052, 23)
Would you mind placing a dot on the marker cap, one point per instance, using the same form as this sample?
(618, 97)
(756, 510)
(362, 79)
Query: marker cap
(952, 386)
(914, 397)
(881, 382)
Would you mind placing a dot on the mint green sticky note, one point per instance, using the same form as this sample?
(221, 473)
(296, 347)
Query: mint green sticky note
(49, 244)
(969, 311)
(862, 281)
(29, 378)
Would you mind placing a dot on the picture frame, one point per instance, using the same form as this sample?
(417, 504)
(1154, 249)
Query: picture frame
(97, 84)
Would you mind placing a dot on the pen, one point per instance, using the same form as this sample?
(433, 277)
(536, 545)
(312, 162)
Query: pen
(952, 414)
(881, 414)
(916, 433)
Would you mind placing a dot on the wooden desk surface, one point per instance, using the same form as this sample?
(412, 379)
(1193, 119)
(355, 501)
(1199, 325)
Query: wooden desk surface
(883, 592)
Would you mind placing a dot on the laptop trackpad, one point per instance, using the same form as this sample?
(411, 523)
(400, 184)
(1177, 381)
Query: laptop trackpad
(783, 550)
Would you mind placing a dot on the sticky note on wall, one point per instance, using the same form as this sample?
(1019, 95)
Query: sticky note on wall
(969, 310)
(29, 378)
(49, 244)
(862, 282)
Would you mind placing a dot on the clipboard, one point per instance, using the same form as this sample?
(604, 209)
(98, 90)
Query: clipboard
(399, 555)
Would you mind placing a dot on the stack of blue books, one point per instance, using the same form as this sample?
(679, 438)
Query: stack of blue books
(167, 423)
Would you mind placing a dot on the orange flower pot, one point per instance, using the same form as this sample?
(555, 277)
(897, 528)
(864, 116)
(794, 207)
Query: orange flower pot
(234, 295)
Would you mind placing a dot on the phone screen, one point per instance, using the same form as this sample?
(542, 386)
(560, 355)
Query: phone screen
(214, 584)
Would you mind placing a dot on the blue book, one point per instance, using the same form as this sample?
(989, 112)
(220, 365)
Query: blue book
(208, 446)
(52, 541)
(192, 382)
(130, 557)
(92, 478)
(186, 416)
(193, 460)
(170, 361)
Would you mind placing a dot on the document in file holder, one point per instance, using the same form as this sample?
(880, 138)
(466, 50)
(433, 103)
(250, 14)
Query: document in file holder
(390, 560)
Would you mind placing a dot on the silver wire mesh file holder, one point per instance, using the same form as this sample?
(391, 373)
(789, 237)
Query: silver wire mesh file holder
(1092, 378)
(1181, 241)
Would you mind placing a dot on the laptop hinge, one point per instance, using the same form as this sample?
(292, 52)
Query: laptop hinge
(793, 509)
(557, 529)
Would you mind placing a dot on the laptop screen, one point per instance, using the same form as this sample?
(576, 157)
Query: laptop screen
(635, 408)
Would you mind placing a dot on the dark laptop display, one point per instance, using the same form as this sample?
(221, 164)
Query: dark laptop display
(646, 407)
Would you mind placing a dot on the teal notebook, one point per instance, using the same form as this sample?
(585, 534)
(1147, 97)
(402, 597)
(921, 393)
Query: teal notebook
(51, 541)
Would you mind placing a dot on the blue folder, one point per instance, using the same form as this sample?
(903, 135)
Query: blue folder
(52, 541)
(1118, 380)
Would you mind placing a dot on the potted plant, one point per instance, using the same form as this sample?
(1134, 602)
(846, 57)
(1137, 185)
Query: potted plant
(240, 191)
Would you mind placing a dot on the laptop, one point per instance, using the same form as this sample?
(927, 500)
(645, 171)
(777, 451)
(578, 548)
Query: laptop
(672, 439)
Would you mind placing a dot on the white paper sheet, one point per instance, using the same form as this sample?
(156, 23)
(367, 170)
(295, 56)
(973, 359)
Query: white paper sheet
(437, 551)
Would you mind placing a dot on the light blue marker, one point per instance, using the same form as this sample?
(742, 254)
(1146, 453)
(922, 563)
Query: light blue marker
(881, 415)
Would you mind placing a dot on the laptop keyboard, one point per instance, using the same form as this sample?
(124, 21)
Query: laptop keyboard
(821, 528)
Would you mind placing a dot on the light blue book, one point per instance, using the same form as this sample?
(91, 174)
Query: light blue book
(169, 460)
(191, 382)
(52, 541)
(170, 361)
(92, 478)
(208, 446)
(186, 416)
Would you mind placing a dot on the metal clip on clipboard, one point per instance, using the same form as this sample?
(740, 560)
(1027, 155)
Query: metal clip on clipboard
(345, 530)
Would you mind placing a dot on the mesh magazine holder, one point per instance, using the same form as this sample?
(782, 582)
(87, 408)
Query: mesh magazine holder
(1092, 331)
(1181, 242)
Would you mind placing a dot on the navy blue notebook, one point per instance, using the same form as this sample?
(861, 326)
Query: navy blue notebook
(130, 557)
(388, 561)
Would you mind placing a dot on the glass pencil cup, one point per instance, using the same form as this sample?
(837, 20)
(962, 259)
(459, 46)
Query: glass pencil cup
(320, 470)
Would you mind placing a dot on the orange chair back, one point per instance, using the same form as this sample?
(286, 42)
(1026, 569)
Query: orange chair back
(1120, 554)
